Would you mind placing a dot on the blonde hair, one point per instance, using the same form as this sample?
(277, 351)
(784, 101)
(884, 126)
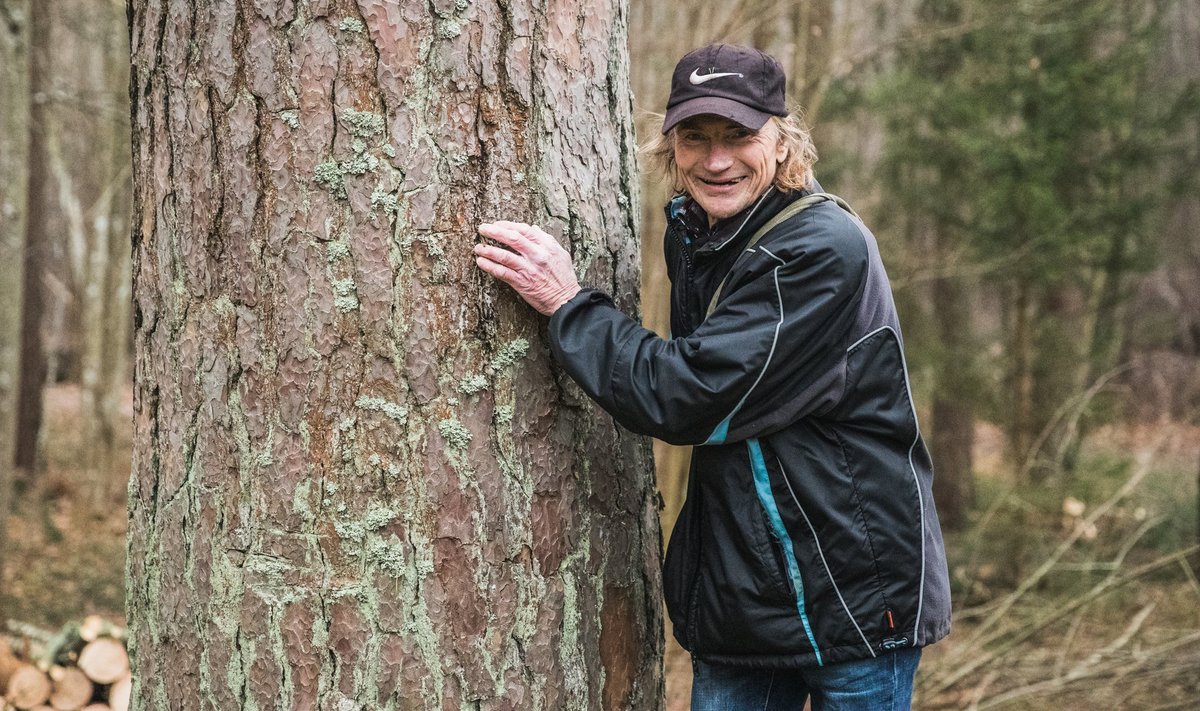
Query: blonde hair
(795, 171)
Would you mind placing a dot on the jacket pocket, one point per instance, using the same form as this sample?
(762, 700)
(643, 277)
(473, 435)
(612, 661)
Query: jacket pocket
(772, 539)
(771, 559)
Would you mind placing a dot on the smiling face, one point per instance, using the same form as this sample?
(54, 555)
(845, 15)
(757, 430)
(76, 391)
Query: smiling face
(723, 165)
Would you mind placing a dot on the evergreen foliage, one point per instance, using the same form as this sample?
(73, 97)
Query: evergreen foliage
(1027, 146)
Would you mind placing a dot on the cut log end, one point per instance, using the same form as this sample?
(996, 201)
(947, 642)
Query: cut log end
(72, 688)
(28, 687)
(91, 628)
(9, 663)
(118, 695)
(104, 660)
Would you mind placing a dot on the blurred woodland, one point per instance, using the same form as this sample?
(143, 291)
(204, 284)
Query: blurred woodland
(1031, 171)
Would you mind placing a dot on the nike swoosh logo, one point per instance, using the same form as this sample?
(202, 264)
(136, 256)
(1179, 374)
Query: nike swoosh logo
(697, 78)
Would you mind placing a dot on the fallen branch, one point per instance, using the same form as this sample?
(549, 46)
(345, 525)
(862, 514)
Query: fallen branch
(1117, 668)
(1109, 584)
(32, 632)
(1084, 667)
(981, 636)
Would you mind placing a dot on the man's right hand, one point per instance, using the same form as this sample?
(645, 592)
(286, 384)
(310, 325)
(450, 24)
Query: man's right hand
(535, 264)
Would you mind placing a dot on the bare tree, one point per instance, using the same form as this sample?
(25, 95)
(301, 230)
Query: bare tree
(92, 197)
(33, 354)
(14, 133)
(359, 482)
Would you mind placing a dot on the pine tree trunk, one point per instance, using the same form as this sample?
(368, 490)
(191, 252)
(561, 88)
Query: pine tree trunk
(1021, 434)
(953, 431)
(14, 141)
(37, 237)
(812, 31)
(359, 482)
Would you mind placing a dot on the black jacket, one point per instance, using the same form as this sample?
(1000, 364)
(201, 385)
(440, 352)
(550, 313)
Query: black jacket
(809, 534)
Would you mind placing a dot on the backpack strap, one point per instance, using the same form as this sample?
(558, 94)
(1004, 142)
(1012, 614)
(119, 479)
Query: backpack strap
(784, 215)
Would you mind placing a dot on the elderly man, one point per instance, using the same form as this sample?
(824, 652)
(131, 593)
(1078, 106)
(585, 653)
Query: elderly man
(807, 560)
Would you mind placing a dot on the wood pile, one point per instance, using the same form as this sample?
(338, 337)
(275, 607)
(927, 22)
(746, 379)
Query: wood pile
(83, 667)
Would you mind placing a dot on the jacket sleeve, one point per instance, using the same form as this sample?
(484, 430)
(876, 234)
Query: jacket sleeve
(771, 352)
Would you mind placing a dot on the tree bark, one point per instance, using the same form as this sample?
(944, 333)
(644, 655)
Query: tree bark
(14, 141)
(1021, 434)
(952, 438)
(812, 31)
(358, 480)
(33, 352)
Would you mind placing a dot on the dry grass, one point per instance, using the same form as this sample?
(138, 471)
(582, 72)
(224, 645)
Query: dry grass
(1096, 610)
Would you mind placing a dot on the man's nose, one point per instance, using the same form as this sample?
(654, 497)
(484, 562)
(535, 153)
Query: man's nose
(719, 158)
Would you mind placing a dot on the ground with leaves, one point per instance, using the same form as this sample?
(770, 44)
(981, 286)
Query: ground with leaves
(66, 547)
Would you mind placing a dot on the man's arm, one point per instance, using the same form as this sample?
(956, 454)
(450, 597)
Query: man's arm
(771, 352)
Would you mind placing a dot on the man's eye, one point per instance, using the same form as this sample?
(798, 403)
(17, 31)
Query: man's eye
(693, 137)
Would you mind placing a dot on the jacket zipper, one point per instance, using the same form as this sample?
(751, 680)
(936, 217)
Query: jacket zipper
(689, 271)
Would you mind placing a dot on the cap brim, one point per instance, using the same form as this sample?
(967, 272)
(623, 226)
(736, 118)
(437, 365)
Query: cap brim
(716, 106)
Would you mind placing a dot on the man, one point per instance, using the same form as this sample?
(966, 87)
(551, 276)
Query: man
(807, 559)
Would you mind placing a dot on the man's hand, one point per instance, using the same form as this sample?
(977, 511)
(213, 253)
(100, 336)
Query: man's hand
(534, 264)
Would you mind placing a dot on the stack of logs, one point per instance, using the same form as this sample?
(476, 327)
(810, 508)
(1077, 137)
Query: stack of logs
(84, 666)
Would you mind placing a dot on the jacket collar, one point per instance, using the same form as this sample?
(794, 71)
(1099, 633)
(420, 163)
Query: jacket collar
(687, 213)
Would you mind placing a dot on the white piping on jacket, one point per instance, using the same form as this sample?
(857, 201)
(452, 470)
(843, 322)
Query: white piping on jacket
(774, 342)
(817, 543)
(911, 466)
(723, 428)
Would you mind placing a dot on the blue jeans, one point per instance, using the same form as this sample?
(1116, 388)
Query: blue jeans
(884, 683)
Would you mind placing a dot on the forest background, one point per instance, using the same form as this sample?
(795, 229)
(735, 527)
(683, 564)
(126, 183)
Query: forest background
(1030, 169)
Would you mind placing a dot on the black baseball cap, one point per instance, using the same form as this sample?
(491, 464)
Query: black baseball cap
(742, 84)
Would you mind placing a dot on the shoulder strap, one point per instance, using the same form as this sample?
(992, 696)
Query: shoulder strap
(784, 215)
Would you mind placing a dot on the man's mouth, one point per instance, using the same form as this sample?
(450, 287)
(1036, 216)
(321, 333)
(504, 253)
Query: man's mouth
(721, 183)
